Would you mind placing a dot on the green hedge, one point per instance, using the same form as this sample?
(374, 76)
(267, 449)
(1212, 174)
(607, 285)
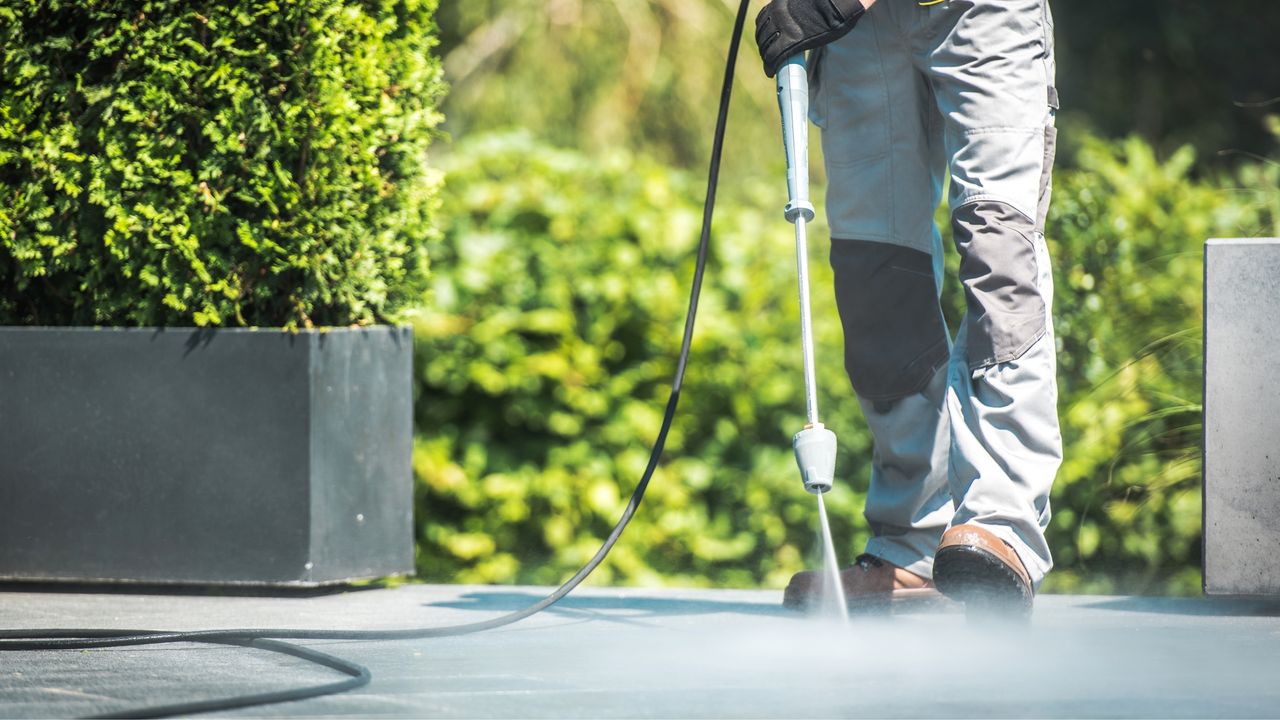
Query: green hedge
(560, 284)
(546, 357)
(1128, 234)
(249, 162)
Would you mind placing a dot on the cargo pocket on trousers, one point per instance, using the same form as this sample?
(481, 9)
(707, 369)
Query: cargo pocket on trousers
(894, 335)
(1005, 310)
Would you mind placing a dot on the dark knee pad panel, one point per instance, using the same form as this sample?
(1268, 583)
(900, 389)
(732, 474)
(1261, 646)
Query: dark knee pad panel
(895, 338)
(998, 267)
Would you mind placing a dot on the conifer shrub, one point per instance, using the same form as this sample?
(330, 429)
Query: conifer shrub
(229, 162)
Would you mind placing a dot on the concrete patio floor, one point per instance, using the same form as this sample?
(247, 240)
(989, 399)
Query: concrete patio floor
(663, 653)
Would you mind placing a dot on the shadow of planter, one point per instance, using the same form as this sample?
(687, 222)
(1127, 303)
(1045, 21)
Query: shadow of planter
(227, 456)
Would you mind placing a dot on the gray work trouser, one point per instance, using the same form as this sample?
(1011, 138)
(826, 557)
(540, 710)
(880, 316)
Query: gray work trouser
(964, 432)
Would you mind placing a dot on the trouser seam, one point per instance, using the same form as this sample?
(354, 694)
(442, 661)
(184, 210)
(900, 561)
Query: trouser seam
(1013, 356)
(991, 197)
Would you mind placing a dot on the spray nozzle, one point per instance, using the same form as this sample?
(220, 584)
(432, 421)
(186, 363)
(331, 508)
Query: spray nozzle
(815, 448)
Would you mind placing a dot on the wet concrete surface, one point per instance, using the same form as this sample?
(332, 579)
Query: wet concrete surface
(663, 653)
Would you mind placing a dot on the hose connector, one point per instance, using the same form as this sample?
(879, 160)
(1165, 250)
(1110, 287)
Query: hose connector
(815, 448)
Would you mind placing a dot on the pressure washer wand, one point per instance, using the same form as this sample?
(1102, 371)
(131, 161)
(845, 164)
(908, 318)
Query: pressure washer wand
(815, 445)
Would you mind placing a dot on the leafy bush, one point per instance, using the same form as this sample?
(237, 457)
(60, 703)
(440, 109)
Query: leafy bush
(545, 360)
(1127, 232)
(165, 162)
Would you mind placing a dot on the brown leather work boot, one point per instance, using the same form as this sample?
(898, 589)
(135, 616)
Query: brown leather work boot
(870, 582)
(976, 567)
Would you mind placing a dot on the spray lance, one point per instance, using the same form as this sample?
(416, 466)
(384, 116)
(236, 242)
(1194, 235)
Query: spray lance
(815, 445)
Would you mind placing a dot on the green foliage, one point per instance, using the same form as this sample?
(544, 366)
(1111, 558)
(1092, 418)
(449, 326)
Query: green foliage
(1128, 232)
(645, 74)
(253, 162)
(561, 278)
(544, 364)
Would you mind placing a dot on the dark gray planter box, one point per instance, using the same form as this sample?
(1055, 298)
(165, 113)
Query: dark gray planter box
(205, 456)
(1242, 417)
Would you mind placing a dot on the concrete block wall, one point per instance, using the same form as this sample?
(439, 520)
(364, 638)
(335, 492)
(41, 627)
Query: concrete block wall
(1242, 417)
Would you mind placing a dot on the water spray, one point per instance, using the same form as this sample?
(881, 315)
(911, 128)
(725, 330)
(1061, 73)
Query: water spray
(815, 445)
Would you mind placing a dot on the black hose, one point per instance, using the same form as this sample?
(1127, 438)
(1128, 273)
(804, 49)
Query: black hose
(359, 677)
(269, 639)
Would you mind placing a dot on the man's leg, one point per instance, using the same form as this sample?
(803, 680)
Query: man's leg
(896, 350)
(882, 148)
(990, 63)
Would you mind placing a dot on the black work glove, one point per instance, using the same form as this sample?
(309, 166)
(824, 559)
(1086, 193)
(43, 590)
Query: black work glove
(787, 27)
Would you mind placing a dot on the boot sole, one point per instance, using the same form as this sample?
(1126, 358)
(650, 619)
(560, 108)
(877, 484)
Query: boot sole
(983, 582)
